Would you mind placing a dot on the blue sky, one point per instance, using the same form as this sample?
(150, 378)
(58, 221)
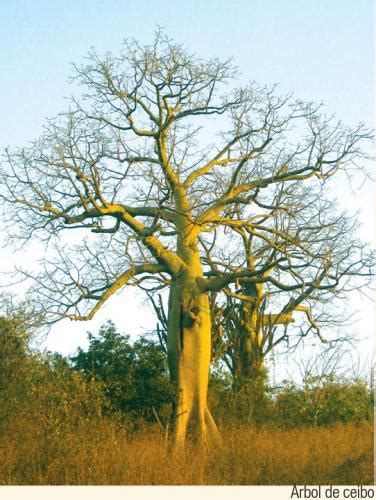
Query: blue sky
(321, 50)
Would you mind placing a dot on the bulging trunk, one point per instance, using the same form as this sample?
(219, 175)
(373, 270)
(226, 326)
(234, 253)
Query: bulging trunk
(249, 374)
(249, 367)
(251, 359)
(189, 346)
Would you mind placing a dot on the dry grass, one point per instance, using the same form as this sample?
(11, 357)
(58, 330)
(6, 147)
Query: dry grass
(99, 452)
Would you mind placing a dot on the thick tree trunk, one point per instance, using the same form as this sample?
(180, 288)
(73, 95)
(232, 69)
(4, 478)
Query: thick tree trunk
(250, 363)
(249, 376)
(250, 359)
(189, 346)
(189, 334)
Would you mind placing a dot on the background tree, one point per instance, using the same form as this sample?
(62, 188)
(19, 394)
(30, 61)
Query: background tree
(244, 328)
(159, 163)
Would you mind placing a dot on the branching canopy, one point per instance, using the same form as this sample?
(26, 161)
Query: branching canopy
(160, 149)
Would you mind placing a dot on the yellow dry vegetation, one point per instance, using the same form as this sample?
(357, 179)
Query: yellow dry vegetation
(101, 452)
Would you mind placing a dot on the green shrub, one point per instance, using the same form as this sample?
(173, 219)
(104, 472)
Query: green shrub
(320, 400)
(134, 376)
(323, 400)
(41, 389)
(248, 403)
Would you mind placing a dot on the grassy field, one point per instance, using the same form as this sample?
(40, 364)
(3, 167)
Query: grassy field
(102, 453)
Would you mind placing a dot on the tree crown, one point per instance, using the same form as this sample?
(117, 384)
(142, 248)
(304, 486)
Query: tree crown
(159, 162)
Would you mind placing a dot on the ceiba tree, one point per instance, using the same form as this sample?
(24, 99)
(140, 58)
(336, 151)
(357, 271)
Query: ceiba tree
(158, 167)
(252, 320)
